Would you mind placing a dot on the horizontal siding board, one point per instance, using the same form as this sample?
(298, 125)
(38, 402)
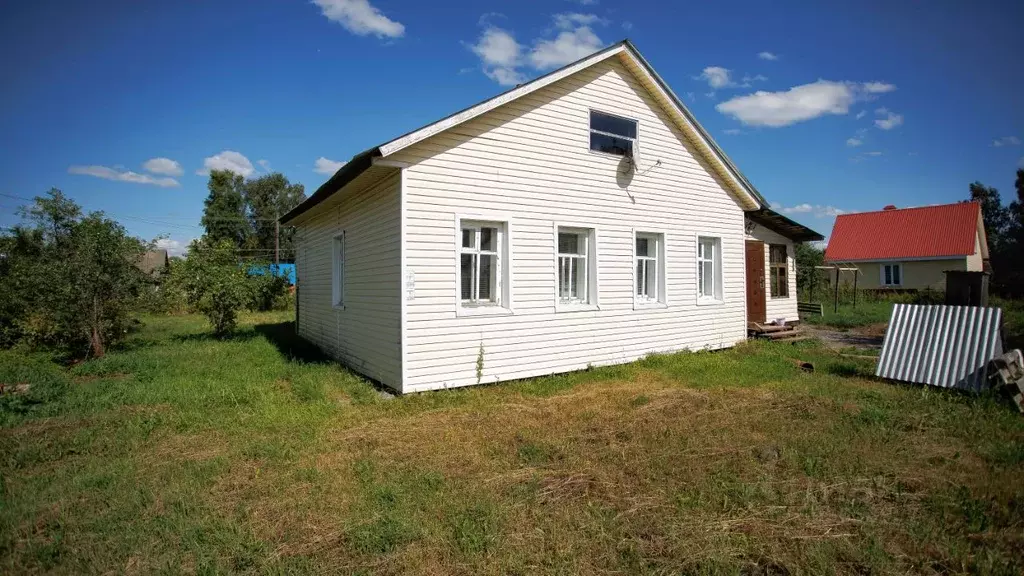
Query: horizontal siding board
(366, 334)
(530, 161)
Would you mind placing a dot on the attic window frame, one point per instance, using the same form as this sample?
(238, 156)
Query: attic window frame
(633, 141)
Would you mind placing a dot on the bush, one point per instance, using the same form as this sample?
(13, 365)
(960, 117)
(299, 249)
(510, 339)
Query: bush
(68, 280)
(168, 295)
(269, 291)
(215, 284)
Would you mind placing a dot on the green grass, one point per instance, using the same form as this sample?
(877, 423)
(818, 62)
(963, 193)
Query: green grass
(865, 314)
(180, 453)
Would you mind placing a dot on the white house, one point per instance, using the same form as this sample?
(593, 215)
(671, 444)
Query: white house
(584, 218)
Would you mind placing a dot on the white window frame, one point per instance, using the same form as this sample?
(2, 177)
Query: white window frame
(716, 270)
(636, 141)
(895, 266)
(591, 280)
(503, 273)
(658, 260)
(338, 276)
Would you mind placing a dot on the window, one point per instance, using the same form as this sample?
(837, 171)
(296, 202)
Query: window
(612, 134)
(650, 258)
(709, 269)
(778, 262)
(338, 285)
(479, 262)
(576, 266)
(892, 274)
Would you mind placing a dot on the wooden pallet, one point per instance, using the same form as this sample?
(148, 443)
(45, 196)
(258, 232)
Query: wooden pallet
(775, 333)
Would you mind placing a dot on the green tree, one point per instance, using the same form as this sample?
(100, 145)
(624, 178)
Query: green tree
(215, 283)
(224, 216)
(993, 213)
(69, 280)
(266, 199)
(807, 257)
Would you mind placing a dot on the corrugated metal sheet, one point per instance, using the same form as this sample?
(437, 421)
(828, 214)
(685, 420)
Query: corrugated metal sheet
(926, 232)
(947, 346)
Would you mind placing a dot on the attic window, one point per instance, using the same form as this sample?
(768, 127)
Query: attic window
(612, 134)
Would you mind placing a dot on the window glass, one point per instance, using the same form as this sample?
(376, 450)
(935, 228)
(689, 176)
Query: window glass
(708, 282)
(612, 124)
(649, 267)
(612, 134)
(479, 263)
(610, 144)
(573, 266)
(778, 271)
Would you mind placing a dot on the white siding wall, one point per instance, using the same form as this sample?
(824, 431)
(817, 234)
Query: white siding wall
(366, 334)
(975, 263)
(530, 161)
(777, 307)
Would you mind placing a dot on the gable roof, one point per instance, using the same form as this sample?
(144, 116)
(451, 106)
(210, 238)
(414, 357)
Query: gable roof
(943, 231)
(699, 137)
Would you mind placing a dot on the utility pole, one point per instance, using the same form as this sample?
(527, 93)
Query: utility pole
(277, 235)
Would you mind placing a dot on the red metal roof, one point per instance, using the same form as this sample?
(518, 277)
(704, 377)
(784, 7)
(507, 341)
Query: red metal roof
(926, 232)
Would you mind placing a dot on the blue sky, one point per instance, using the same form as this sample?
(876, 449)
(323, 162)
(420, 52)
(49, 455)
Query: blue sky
(826, 106)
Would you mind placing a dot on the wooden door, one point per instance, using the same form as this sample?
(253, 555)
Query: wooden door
(755, 282)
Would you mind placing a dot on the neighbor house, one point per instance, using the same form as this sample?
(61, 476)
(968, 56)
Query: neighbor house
(583, 218)
(909, 248)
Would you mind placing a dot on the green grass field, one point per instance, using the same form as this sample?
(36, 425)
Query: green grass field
(185, 454)
(865, 314)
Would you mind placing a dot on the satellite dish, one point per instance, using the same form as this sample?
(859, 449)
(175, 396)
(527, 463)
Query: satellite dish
(626, 171)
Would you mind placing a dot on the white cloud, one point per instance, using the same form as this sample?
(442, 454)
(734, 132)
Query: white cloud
(627, 25)
(570, 45)
(361, 18)
(691, 96)
(503, 57)
(878, 87)
(1006, 141)
(748, 79)
(227, 160)
(716, 77)
(326, 166)
(122, 175)
(173, 247)
(873, 153)
(816, 210)
(890, 121)
(265, 164)
(798, 104)
(500, 54)
(861, 114)
(767, 56)
(585, 2)
(163, 166)
(732, 131)
(852, 142)
(572, 20)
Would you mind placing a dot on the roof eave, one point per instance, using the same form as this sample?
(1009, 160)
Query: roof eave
(347, 173)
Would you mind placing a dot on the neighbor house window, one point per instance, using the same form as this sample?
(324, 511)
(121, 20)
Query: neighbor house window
(612, 134)
(338, 284)
(650, 267)
(575, 266)
(479, 263)
(892, 274)
(709, 269)
(778, 263)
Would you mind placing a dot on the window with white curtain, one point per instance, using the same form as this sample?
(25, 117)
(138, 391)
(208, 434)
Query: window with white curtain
(649, 268)
(338, 283)
(480, 263)
(575, 266)
(709, 269)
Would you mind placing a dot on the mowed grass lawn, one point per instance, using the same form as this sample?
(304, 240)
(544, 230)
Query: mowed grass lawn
(185, 454)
